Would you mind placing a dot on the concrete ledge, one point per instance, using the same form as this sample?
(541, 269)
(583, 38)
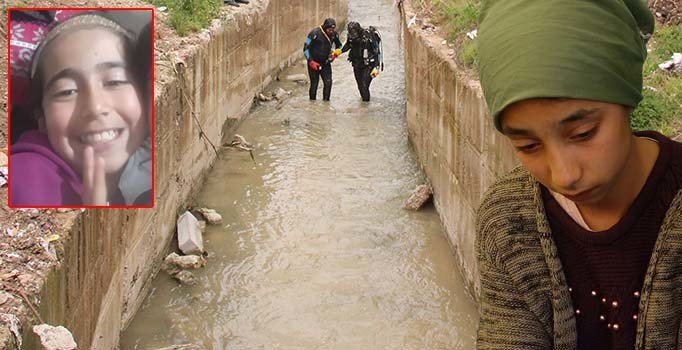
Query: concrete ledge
(450, 129)
(109, 257)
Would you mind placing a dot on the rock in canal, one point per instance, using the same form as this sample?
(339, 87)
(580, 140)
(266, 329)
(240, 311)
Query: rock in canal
(182, 347)
(281, 94)
(189, 235)
(185, 277)
(185, 261)
(419, 196)
(297, 77)
(264, 98)
(211, 216)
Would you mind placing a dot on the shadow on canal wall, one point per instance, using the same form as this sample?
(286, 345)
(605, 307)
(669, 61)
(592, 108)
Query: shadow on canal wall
(449, 128)
(110, 256)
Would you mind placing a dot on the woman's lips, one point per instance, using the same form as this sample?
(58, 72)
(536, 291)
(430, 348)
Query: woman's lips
(580, 196)
(101, 141)
(100, 136)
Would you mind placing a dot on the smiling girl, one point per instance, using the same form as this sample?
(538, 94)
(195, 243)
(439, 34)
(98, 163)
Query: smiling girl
(90, 115)
(581, 246)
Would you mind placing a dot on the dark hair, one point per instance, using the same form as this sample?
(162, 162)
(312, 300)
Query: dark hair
(329, 23)
(354, 30)
(143, 56)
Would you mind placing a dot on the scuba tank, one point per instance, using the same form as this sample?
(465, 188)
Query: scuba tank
(375, 37)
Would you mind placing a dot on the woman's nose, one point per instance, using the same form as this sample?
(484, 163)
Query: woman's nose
(565, 170)
(95, 101)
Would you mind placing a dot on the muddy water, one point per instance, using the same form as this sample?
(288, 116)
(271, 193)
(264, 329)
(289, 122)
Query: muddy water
(315, 251)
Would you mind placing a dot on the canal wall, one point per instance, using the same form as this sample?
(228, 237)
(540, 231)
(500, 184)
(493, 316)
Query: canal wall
(450, 129)
(110, 256)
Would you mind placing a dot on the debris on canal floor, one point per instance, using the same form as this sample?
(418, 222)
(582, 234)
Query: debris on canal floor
(176, 266)
(211, 216)
(419, 196)
(189, 234)
(185, 277)
(182, 347)
(264, 98)
(281, 94)
(297, 77)
(174, 262)
(240, 143)
(54, 338)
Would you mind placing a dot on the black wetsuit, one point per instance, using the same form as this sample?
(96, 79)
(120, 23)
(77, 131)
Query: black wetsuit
(365, 55)
(317, 48)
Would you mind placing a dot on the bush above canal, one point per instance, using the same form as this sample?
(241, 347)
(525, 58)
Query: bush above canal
(187, 16)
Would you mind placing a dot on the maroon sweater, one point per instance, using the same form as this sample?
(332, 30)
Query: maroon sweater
(605, 270)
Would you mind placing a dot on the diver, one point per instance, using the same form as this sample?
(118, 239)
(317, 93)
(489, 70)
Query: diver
(365, 55)
(319, 54)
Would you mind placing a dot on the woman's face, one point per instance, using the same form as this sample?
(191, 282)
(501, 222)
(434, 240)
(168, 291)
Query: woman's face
(577, 148)
(91, 98)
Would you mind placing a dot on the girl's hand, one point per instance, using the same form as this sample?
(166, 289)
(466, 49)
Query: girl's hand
(94, 183)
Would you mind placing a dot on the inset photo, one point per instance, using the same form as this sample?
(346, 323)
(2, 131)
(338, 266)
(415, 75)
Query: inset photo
(81, 107)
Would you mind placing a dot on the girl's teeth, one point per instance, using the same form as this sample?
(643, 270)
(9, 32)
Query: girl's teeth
(103, 136)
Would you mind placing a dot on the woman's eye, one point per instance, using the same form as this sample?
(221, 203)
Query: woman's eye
(528, 149)
(65, 93)
(116, 83)
(585, 135)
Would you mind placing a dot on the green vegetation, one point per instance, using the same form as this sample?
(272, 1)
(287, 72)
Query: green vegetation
(459, 17)
(13, 4)
(467, 54)
(661, 108)
(188, 16)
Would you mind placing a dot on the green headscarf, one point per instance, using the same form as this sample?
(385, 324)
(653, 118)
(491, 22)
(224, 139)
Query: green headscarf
(582, 49)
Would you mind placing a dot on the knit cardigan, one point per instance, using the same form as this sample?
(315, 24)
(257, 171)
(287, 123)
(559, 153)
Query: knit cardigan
(525, 303)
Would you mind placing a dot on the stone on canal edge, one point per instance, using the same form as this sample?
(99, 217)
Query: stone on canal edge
(264, 98)
(54, 338)
(185, 277)
(280, 94)
(185, 262)
(297, 77)
(211, 216)
(419, 196)
(182, 347)
(189, 235)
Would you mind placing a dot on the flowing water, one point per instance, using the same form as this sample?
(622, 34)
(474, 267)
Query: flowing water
(315, 250)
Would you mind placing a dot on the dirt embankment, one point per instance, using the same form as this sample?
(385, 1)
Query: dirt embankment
(667, 11)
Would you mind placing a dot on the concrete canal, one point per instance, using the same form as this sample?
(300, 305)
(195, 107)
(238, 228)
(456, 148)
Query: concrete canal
(315, 250)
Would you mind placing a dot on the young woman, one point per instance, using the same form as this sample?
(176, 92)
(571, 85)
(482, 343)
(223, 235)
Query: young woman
(580, 246)
(90, 115)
